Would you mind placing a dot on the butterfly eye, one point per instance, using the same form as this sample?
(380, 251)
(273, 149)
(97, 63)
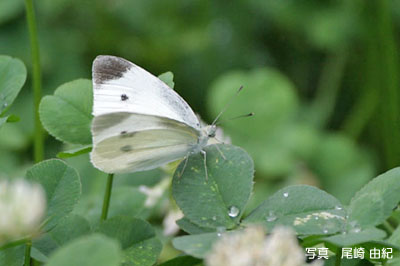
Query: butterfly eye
(124, 97)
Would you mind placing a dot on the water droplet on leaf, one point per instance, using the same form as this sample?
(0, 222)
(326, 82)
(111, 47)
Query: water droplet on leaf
(286, 194)
(355, 228)
(325, 231)
(220, 230)
(338, 208)
(233, 212)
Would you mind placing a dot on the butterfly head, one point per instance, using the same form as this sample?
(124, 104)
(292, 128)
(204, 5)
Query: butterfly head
(211, 130)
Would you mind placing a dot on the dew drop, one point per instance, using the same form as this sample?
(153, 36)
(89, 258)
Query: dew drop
(220, 230)
(5, 105)
(325, 231)
(271, 216)
(316, 217)
(355, 228)
(233, 212)
(338, 208)
(286, 194)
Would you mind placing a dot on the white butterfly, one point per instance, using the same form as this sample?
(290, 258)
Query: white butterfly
(139, 122)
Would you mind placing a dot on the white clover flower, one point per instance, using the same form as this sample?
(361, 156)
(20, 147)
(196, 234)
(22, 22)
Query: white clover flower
(22, 207)
(251, 247)
(154, 193)
(169, 222)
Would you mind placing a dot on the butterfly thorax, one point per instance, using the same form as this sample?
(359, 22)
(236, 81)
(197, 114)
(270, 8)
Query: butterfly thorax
(206, 133)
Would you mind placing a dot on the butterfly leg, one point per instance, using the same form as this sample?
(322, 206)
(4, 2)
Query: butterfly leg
(205, 163)
(220, 152)
(184, 166)
(220, 141)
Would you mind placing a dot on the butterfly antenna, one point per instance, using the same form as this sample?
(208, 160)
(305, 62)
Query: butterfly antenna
(241, 116)
(236, 117)
(227, 105)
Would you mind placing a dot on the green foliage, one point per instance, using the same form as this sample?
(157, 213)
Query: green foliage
(196, 245)
(13, 256)
(77, 252)
(219, 199)
(12, 78)
(182, 261)
(128, 201)
(375, 202)
(136, 237)
(75, 152)
(69, 228)
(62, 186)
(395, 237)
(168, 78)
(266, 92)
(308, 210)
(355, 237)
(343, 167)
(67, 114)
(9, 9)
(3, 120)
(191, 228)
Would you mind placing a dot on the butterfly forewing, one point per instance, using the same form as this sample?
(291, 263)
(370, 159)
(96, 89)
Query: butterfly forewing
(121, 86)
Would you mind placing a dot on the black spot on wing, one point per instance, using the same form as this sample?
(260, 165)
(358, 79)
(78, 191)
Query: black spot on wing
(126, 134)
(124, 97)
(126, 148)
(107, 67)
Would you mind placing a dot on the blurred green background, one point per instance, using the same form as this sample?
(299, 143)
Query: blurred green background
(321, 76)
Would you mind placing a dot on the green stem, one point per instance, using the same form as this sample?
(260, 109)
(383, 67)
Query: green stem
(338, 261)
(38, 146)
(328, 88)
(107, 196)
(28, 253)
(14, 243)
(388, 227)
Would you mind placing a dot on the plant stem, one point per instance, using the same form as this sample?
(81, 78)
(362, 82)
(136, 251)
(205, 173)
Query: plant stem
(14, 243)
(107, 196)
(36, 79)
(28, 253)
(338, 261)
(388, 227)
(328, 88)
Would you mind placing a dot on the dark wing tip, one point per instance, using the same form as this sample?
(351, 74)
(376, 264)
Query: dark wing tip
(107, 67)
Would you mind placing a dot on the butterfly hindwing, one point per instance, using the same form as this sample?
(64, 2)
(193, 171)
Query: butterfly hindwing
(125, 142)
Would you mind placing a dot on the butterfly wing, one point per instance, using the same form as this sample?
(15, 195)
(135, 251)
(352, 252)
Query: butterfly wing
(127, 142)
(121, 86)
